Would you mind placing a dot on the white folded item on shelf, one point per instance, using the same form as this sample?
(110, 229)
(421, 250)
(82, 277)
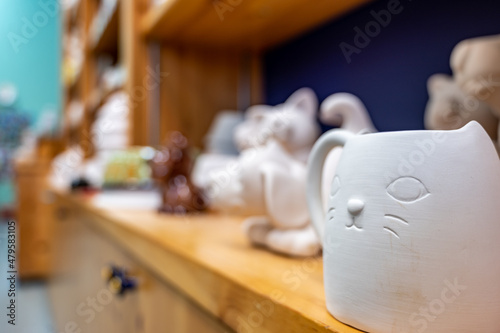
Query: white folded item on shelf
(111, 141)
(111, 127)
(133, 200)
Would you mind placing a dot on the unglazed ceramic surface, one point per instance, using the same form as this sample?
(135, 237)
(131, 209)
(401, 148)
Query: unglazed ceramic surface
(293, 124)
(348, 112)
(267, 184)
(267, 181)
(410, 239)
(450, 108)
(476, 68)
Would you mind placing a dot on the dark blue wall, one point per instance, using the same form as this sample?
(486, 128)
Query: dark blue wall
(390, 74)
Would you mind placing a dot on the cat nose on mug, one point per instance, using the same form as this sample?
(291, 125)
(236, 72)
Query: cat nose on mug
(355, 206)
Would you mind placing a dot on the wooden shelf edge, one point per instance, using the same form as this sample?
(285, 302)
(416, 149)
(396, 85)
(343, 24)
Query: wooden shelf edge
(303, 26)
(162, 21)
(234, 300)
(258, 25)
(76, 12)
(108, 39)
(71, 88)
(70, 16)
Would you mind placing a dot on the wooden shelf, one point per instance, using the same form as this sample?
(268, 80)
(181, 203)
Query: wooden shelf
(108, 40)
(256, 24)
(167, 19)
(72, 88)
(71, 17)
(98, 97)
(76, 13)
(208, 259)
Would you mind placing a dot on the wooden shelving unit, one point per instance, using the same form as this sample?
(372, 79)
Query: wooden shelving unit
(171, 17)
(107, 41)
(124, 47)
(203, 257)
(252, 25)
(187, 60)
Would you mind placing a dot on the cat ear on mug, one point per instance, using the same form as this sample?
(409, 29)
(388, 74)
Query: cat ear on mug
(474, 127)
(480, 137)
(304, 99)
(287, 208)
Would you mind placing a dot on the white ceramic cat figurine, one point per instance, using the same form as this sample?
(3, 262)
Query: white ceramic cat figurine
(292, 123)
(273, 223)
(410, 240)
(268, 185)
(348, 112)
(450, 108)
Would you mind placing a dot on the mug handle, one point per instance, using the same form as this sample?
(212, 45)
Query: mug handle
(319, 152)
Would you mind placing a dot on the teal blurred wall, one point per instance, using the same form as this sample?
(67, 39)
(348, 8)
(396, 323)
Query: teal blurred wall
(30, 59)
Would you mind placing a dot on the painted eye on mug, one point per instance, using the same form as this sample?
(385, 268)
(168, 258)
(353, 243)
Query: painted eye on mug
(335, 186)
(407, 189)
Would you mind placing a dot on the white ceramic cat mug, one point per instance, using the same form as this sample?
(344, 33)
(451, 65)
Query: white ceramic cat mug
(411, 239)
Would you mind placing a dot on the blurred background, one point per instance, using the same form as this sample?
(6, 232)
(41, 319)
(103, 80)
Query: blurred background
(90, 89)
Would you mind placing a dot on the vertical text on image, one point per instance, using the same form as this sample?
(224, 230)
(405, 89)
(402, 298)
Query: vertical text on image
(11, 272)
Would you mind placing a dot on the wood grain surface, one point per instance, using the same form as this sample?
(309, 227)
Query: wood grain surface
(256, 24)
(208, 259)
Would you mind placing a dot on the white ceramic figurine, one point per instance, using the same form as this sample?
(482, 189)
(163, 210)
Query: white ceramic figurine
(476, 68)
(348, 112)
(450, 108)
(268, 185)
(292, 123)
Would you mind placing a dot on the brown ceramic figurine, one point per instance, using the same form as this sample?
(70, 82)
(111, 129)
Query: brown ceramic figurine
(171, 168)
